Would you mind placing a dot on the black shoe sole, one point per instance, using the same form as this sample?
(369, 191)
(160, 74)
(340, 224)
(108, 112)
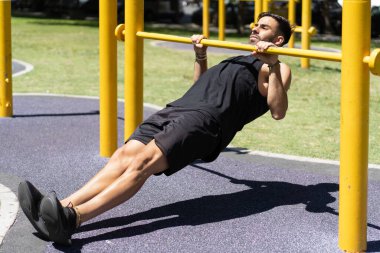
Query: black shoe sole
(30, 199)
(52, 212)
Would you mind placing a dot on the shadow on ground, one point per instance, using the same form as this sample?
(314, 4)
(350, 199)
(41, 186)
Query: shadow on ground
(260, 197)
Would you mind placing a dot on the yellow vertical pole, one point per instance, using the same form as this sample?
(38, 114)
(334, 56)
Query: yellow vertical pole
(222, 19)
(292, 20)
(354, 126)
(258, 9)
(133, 76)
(266, 5)
(108, 77)
(206, 18)
(6, 100)
(305, 36)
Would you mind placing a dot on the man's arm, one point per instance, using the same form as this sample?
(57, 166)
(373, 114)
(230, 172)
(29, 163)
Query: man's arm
(274, 80)
(279, 78)
(200, 64)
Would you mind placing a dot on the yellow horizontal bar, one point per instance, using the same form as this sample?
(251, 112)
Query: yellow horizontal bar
(312, 30)
(313, 54)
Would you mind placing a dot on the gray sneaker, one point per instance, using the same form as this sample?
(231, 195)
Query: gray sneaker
(60, 221)
(30, 200)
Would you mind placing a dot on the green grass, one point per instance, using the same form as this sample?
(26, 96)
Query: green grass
(65, 58)
(64, 55)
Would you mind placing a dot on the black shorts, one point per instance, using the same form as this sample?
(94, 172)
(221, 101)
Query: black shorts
(183, 136)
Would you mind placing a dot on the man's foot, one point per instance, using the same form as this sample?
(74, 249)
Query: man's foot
(30, 199)
(60, 221)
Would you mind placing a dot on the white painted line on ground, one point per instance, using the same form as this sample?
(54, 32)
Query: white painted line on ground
(8, 210)
(28, 68)
(304, 159)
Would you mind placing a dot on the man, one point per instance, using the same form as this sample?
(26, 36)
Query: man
(197, 126)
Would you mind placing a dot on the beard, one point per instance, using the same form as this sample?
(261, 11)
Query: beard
(254, 38)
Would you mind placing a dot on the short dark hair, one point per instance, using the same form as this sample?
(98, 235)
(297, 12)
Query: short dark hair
(284, 26)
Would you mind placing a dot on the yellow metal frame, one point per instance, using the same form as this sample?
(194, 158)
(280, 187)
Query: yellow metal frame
(292, 19)
(221, 19)
(373, 60)
(356, 62)
(354, 125)
(305, 35)
(133, 72)
(311, 30)
(258, 9)
(206, 18)
(6, 100)
(264, 5)
(320, 55)
(108, 77)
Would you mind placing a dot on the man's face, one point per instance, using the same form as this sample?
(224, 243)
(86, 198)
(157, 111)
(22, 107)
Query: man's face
(265, 29)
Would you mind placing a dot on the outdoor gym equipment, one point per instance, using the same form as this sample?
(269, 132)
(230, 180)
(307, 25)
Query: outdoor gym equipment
(306, 29)
(6, 101)
(356, 61)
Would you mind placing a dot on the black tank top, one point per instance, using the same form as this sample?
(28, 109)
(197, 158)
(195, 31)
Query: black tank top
(229, 93)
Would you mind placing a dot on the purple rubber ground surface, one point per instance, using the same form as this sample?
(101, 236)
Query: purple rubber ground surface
(238, 203)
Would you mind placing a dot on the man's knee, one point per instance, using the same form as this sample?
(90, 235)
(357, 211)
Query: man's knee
(147, 159)
(151, 160)
(126, 153)
(121, 156)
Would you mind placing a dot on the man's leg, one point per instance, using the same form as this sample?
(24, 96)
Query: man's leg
(149, 161)
(115, 167)
(30, 198)
(134, 172)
